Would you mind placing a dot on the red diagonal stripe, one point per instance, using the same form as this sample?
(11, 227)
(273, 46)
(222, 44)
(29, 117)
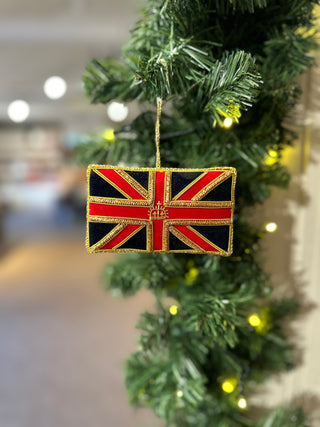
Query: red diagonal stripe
(124, 234)
(199, 213)
(114, 177)
(196, 238)
(137, 212)
(199, 185)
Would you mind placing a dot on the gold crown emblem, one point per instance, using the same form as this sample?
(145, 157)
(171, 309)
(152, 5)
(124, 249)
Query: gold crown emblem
(158, 212)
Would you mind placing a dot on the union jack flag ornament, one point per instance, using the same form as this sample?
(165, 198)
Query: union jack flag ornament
(160, 210)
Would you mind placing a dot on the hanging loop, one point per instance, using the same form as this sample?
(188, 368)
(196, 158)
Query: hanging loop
(157, 133)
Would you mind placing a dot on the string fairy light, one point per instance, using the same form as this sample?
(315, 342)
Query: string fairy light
(173, 309)
(271, 158)
(254, 320)
(271, 227)
(242, 403)
(229, 385)
(191, 275)
(227, 122)
(262, 322)
(108, 134)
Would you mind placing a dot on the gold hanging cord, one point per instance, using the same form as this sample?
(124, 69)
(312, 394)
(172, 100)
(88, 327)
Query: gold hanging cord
(157, 133)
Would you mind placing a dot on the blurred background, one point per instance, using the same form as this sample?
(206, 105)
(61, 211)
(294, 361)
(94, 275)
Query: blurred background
(63, 340)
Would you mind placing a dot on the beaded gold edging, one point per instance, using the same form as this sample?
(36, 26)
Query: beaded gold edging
(114, 219)
(167, 223)
(221, 221)
(134, 183)
(106, 239)
(199, 204)
(214, 183)
(129, 237)
(185, 240)
(122, 202)
(122, 223)
(187, 187)
(146, 169)
(221, 251)
(121, 226)
(112, 183)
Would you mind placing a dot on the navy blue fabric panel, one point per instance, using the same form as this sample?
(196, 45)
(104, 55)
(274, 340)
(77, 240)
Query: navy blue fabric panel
(98, 230)
(138, 241)
(99, 187)
(181, 179)
(141, 177)
(217, 234)
(176, 244)
(222, 193)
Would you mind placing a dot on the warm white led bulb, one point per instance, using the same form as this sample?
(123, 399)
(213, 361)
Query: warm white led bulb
(227, 122)
(117, 111)
(271, 227)
(55, 87)
(242, 403)
(18, 111)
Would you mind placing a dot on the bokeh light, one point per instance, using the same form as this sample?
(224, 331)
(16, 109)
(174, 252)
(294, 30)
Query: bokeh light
(271, 227)
(227, 122)
(117, 111)
(55, 87)
(254, 320)
(173, 310)
(18, 111)
(242, 403)
(229, 385)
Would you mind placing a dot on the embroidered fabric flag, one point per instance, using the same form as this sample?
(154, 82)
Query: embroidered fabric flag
(160, 210)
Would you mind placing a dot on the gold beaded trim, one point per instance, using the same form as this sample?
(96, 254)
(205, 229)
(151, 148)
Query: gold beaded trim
(184, 239)
(217, 181)
(187, 187)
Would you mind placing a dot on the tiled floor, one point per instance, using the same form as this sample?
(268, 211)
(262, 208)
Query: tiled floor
(63, 340)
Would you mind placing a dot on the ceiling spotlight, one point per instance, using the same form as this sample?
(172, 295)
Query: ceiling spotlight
(117, 111)
(18, 111)
(55, 87)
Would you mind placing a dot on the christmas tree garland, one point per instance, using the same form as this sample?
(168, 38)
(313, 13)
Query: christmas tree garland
(216, 332)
